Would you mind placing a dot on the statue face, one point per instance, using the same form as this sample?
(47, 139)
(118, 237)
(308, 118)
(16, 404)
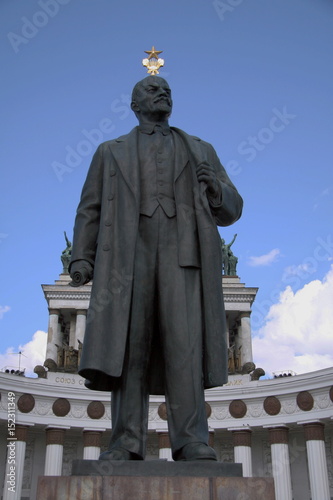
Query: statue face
(152, 98)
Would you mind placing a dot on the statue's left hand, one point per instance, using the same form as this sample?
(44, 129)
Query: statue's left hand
(206, 173)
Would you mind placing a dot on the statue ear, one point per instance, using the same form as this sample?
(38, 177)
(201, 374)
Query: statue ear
(134, 107)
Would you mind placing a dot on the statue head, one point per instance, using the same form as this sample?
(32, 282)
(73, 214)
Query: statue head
(151, 99)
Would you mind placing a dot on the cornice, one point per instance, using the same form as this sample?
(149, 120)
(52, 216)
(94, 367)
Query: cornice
(238, 297)
(224, 401)
(69, 295)
(63, 291)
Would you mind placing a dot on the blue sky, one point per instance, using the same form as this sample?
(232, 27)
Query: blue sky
(254, 78)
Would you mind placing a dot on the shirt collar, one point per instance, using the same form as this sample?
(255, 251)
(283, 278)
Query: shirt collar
(150, 128)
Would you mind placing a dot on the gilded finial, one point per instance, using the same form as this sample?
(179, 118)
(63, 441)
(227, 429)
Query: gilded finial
(153, 63)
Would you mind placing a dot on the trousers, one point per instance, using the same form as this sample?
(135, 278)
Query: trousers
(166, 302)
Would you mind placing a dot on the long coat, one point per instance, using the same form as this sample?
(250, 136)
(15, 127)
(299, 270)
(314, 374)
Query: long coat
(105, 235)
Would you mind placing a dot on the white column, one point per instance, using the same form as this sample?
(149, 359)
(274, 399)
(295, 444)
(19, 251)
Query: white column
(54, 450)
(315, 447)
(53, 335)
(15, 464)
(278, 437)
(72, 328)
(245, 340)
(242, 448)
(164, 446)
(81, 317)
(91, 444)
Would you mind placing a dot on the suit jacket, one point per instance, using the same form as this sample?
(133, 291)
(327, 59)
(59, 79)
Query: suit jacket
(105, 235)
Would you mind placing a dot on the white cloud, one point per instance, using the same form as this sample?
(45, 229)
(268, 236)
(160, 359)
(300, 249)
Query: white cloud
(265, 260)
(33, 353)
(297, 334)
(3, 310)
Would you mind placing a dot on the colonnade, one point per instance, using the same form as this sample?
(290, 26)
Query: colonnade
(78, 325)
(278, 439)
(55, 337)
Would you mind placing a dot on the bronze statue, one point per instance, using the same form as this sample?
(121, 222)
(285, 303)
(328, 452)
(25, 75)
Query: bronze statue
(229, 261)
(146, 233)
(66, 255)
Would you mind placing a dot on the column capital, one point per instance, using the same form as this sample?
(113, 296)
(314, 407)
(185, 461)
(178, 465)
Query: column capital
(278, 435)
(314, 431)
(82, 312)
(21, 432)
(54, 311)
(163, 440)
(55, 435)
(92, 438)
(245, 314)
(241, 437)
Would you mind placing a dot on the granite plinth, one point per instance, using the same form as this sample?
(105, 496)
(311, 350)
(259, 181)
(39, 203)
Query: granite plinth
(157, 468)
(154, 488)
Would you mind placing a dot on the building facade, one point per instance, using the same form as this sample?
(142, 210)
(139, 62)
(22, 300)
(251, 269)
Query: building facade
(281, 427)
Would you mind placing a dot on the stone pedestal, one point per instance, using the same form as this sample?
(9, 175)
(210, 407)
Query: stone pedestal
(154, 480)
(157, 468)
(154, 488)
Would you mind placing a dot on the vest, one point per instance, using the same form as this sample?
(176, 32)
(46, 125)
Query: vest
(156, 160)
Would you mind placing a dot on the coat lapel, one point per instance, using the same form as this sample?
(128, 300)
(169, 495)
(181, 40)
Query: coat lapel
(125, 152)
(181, 155)
(192, 152)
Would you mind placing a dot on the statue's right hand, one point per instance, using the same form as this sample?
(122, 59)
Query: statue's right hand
(80, 274)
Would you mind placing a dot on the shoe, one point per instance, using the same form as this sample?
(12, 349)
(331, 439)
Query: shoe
(196, 451)
(119, 454)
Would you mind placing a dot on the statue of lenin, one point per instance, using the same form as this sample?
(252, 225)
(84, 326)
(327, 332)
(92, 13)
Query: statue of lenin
(146, 233)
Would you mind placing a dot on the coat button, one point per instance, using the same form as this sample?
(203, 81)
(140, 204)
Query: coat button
(108, 222)
(106, 247)
(112, 172)
(111, 196)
